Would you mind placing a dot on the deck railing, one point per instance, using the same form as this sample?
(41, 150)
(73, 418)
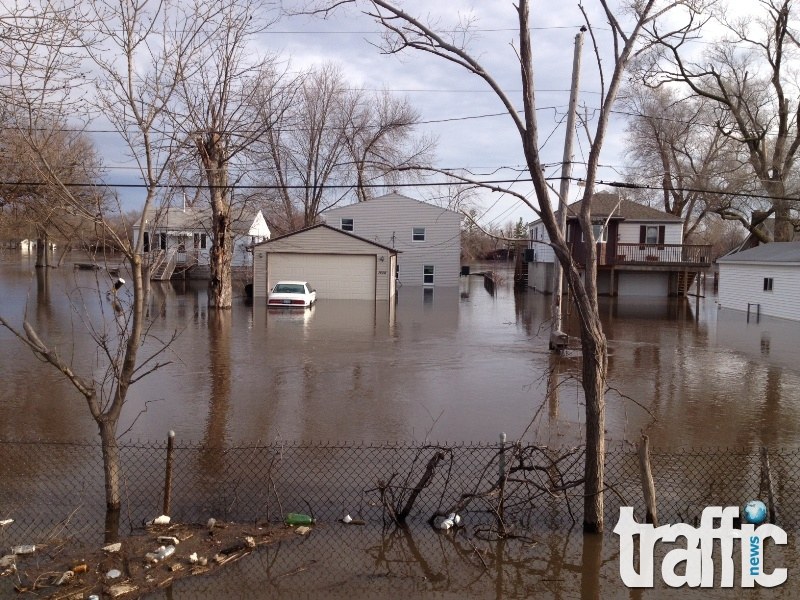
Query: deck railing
(659, 254)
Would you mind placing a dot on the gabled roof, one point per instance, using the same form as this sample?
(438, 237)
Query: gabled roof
(775, 252)
(392, 197)
(337, 230)
(606, 204)
(191, 218)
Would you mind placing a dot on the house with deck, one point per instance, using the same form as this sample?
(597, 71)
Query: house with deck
(640, 250)
(764, 280)
(427, 237)
(177, 241)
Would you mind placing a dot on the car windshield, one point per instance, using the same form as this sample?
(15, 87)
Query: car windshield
(289, 288)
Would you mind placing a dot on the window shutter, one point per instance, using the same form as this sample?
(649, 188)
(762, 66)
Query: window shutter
(661, 231)
(642, 234)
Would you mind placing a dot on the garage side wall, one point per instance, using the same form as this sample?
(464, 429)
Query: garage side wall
(740, 284)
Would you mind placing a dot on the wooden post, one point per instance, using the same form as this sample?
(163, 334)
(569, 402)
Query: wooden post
(168, 476)
(766, 480)
(648, 488)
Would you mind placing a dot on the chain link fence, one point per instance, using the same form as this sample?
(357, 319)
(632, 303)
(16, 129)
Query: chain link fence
(56, 490)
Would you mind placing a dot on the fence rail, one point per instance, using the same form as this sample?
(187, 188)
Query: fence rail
(47, 488)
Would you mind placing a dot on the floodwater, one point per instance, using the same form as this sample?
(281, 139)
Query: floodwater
(449, 365)
(454, 365)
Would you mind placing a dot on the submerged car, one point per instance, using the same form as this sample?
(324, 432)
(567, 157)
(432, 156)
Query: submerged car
(292, 294)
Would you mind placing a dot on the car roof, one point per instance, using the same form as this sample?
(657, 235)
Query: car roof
(290, 282)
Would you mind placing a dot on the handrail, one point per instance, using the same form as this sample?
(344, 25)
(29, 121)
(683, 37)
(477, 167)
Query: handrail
(649, 254)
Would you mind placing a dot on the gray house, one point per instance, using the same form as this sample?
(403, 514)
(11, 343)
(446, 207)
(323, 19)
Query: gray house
(763, 280)
(338, 264)
(427, 236)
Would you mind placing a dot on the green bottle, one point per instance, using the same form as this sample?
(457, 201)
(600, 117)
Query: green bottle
(298, 519)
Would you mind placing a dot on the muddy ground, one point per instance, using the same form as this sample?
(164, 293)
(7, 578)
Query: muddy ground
(58, 572)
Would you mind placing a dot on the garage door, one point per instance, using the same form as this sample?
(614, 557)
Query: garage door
(643, 284)
(339, 277)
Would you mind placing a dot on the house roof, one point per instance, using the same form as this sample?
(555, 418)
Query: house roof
(775, 252)
(606, 204)
(190, 218)
(392, 197)
(337, 230)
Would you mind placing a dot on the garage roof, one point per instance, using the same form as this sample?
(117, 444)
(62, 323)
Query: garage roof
(339, 231)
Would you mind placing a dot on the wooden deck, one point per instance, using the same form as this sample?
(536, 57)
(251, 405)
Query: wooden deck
(658, 256)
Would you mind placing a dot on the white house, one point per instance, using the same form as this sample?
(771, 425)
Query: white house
(428, 237)
(338, 264)
(640, 250)
(178, 240)
(763, 280)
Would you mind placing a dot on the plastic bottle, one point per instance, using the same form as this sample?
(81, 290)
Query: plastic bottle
(298, 519)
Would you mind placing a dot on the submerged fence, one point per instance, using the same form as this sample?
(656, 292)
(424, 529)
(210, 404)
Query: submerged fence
(56, 490)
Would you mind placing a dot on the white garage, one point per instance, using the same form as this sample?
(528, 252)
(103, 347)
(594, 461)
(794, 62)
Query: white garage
(337, 264)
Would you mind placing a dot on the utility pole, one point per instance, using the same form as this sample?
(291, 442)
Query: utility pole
(558, 339)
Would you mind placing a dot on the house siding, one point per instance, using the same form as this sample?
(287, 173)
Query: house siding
(390, 220)
(629, 232)
(740, 284)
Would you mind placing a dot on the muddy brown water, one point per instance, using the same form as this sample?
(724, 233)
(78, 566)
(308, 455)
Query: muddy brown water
(444, 364)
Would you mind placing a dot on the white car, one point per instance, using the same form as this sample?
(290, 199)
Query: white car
(291, 294)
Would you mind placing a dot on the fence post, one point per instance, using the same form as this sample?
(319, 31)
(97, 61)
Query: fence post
(648, 487)
(766, 481)
(168, 476)
(501, 472)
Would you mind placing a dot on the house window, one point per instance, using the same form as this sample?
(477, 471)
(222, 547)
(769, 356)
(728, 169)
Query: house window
(651, 234)
(599, 233)
(427, 275)
(146, 246)
(200, 240)
(418, 234)
(767, 284)
(162, 241)
(347, 224)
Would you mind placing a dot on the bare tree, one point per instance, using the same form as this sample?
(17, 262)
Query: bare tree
(332, 136)
(672, 144)
(406, 32)
(749, 79)
(131, 47)
(32, 192)
(229, 100)
(378, 137)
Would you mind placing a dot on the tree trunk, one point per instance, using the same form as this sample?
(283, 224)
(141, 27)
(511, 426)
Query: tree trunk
(595, 355)
(220, 285)
(783, 224)
(111, 466)
(42, 253)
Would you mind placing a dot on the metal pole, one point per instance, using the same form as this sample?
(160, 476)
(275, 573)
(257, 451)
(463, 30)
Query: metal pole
(557, 338)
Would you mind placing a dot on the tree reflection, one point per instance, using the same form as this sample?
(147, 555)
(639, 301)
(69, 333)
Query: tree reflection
(219, 346)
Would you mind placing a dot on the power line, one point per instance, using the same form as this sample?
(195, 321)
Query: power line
(578, 180)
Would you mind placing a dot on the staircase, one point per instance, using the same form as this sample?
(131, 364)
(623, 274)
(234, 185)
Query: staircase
(685, 281)
(164, 266)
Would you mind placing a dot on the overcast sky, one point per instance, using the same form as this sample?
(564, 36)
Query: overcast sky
(453, 104)
(470, 124)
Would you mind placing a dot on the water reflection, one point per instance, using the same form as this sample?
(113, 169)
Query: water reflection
(219, 338)
(441, 364)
